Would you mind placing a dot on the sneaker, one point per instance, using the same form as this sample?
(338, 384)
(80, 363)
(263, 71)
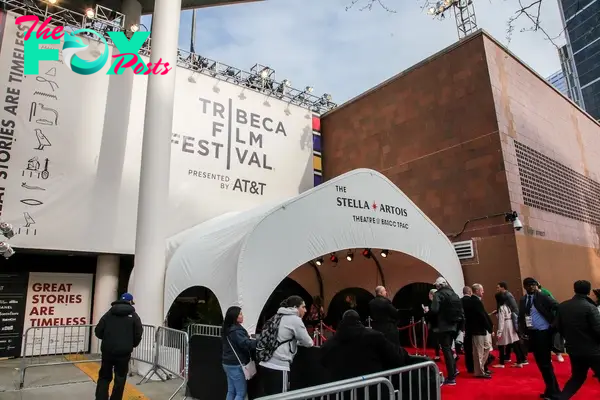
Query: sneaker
(484, 377)
(499, 366)
(525, 363)
(436, 359)
(560, 358)
(517, 365)
(450, 382)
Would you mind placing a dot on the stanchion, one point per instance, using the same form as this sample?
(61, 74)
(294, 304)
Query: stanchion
(414, 335)
(425, 332)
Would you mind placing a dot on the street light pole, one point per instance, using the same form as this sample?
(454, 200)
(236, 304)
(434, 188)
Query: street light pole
(149, 277)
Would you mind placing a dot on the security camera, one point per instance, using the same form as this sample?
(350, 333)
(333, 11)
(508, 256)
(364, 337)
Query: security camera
(517, 224)
(7, 230)
(6, 250)
(514, 218)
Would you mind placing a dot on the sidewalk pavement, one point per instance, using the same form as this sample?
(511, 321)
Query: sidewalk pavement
(65, 382)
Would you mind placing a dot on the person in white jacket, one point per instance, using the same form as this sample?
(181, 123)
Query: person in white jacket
(508, 339)
(291, 334)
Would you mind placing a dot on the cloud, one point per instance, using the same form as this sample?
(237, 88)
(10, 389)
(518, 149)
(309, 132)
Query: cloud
(344, 53)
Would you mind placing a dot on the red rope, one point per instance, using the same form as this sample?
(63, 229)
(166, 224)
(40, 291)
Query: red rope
(408, 326)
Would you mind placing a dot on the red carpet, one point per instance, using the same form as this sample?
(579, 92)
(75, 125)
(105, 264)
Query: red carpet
(513, 383)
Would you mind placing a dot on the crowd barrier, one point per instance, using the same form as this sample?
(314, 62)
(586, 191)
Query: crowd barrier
(171, 357)
(401, 383)
(203, 330)
(342, 389)
(423, 374)
(165, 349)
(57, 345)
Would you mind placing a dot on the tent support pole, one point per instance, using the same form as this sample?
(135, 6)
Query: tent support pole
(379, 269)
(319, 280)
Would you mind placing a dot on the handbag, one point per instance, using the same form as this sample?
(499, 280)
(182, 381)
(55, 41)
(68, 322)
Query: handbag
(249, 369)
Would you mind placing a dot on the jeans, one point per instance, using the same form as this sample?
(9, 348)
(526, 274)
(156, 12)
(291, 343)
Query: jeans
(446, 339)
(236, 382)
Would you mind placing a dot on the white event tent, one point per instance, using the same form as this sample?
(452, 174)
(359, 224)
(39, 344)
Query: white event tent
(243, 256)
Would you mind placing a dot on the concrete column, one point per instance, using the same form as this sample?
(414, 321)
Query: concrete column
(150, 246)
(133, 12)
(105, 287)
(114, 140)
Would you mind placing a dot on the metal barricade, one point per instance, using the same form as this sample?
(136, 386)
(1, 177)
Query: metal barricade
(338, 389)
(145, 351)
(58, 345)
(171, 356)
(203, 330)
(429, 369)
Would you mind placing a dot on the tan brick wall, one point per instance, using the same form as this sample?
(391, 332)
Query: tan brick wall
(433, 131)
(556, 250)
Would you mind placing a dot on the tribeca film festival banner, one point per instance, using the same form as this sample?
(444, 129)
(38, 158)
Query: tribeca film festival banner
(68, 182)
(55, 299)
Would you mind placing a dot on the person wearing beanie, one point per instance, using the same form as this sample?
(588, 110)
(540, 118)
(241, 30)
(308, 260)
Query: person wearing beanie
(120, 330)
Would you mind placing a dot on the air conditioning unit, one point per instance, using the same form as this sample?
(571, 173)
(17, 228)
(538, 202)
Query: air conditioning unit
(464, 250)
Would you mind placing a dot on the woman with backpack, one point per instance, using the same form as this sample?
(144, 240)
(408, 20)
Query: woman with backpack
(278, 344)
(237, 354)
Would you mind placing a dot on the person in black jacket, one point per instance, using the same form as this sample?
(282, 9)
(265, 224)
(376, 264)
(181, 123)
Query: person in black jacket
(237, 353)
(468, 340)
(120, 330)
(578, 321)
(384, 315)
(355, 350)
(536, 316)
(481, 330)
(448, 322)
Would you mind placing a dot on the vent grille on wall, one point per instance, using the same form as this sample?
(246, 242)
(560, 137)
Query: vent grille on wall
(464, 250)
(551, 186)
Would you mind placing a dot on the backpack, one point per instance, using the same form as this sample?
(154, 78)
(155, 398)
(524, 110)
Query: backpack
(451, 307)
(267, 342)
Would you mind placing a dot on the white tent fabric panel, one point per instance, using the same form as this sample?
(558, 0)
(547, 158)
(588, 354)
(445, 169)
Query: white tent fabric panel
(244, 256)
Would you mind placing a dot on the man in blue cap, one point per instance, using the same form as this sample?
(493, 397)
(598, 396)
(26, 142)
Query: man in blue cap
(120, 330)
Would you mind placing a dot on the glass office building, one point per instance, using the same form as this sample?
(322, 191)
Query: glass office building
(582, 21)
(558, 80)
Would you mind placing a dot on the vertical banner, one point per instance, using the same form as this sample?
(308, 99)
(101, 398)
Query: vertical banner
(62, 164)
(13, 289)
(55, 300)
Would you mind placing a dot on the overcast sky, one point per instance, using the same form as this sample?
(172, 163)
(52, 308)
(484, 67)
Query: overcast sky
(344, 53)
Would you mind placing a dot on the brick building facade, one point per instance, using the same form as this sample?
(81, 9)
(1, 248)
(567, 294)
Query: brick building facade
(473, 132)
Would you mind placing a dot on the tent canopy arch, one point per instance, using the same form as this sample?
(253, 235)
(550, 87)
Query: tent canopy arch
(243, 256)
